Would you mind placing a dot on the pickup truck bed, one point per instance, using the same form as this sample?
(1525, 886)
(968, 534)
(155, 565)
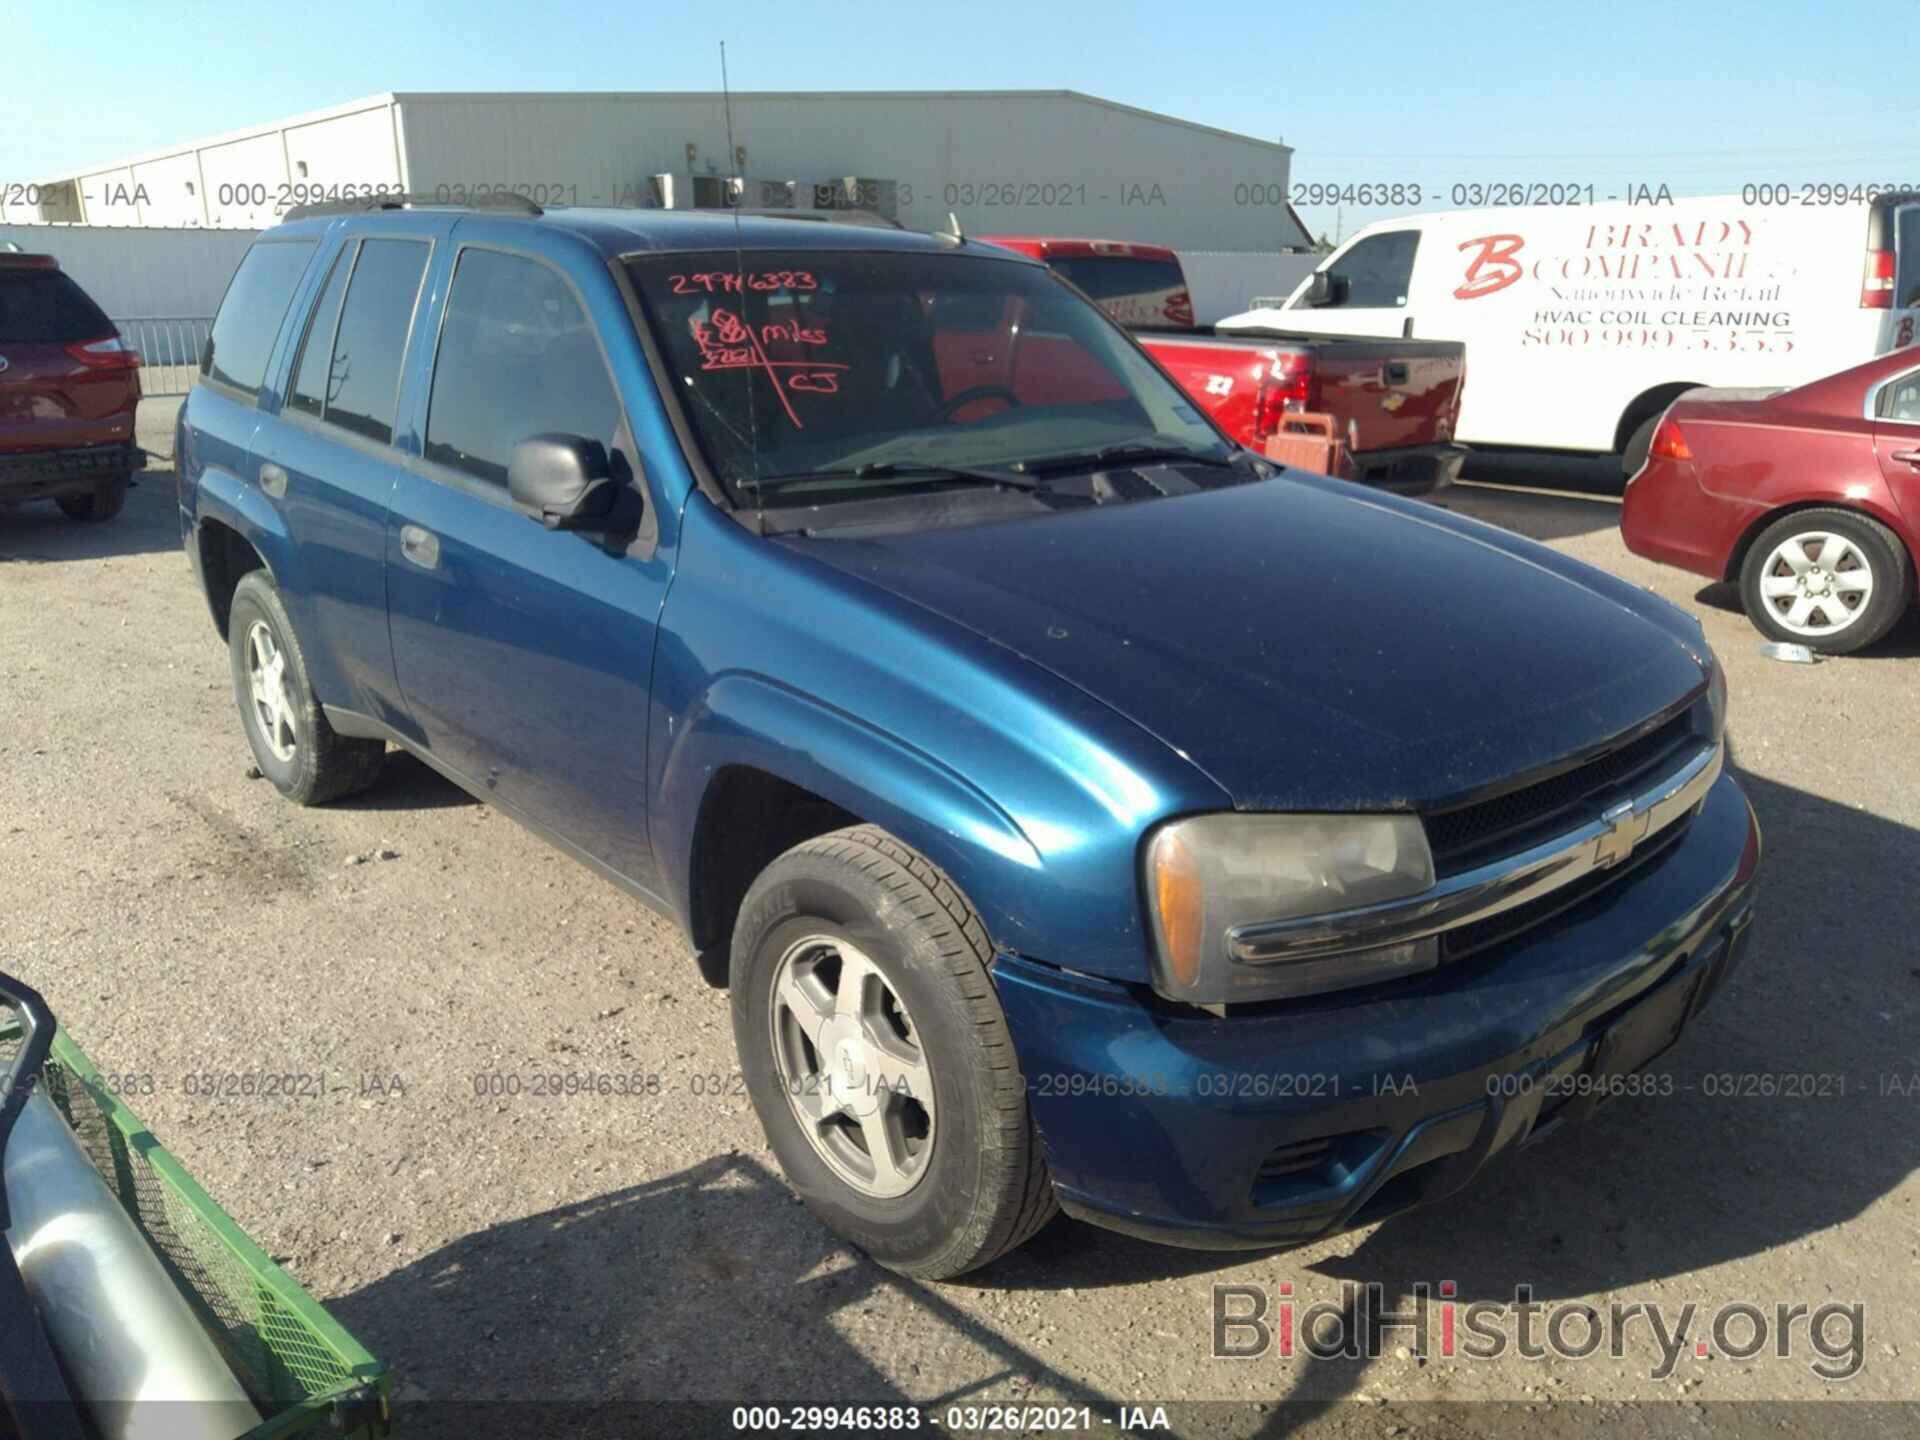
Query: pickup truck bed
(1393, 400)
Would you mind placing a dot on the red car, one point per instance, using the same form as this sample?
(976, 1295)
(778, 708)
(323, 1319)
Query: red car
(68, 388)
(1809, 498)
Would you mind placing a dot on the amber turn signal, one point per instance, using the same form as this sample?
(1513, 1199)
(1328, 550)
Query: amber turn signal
(1181, 906)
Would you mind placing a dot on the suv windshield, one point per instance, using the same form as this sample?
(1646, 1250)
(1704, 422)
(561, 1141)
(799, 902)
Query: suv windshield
(827, 374)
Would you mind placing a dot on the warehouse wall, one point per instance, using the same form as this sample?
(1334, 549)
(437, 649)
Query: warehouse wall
(241, 181)
(136, 273)
(1013, 163)
(1225, 283)
(1010, 162)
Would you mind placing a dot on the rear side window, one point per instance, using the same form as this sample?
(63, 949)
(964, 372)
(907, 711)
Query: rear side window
(45, 306)
(1906, 283)
(1134, 290)
(250, 315)
(1900, 399)
(517, 358)
(309, 391)
(349, 372)
(1375, 274)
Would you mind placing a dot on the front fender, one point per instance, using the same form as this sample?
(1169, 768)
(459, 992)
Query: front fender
(1029, 793)
(750, 720)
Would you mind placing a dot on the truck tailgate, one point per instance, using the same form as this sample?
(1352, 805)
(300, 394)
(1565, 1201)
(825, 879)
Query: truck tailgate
(1384, 394)
(1391, 393)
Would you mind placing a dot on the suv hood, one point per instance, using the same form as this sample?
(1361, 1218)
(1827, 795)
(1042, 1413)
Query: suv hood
(1307, 646)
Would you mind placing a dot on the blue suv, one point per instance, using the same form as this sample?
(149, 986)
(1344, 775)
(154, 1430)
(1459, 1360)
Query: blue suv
(1082, 812)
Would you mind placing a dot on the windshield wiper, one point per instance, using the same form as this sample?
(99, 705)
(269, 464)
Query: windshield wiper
(902, 470)
(1128, 451)
(890, 469)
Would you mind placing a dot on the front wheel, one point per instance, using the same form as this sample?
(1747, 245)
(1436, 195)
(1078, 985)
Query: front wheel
(1831, 580)
(878, 1058)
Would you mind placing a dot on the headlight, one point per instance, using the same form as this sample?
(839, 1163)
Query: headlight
(1716, 690)
(1207, 876)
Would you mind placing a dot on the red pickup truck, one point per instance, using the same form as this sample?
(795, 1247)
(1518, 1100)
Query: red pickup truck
(1394, 401)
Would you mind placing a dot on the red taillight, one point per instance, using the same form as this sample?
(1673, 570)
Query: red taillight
(1668, 441)
(1876, 285)
(1286, 387)
(112, 353)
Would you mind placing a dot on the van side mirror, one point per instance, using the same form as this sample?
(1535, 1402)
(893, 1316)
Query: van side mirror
(565, 482)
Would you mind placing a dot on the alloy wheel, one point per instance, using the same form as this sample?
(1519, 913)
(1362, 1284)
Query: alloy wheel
(1817, 583)
(851, 1064)
(267, 682)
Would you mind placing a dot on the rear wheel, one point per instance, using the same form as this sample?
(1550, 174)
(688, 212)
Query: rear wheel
(294, 746)
(105, 502)
(1831, 580)
(878, 1059)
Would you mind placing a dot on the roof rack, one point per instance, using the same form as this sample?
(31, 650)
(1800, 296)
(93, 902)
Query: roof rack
(828, 217)
(417, 200)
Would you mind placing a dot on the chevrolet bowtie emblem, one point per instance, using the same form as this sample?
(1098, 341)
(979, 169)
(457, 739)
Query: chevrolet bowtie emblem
(1625, 829)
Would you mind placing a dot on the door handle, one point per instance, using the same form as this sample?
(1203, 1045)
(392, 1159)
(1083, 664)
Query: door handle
(273, 480)
(1394, 373)
(422, 547)
(1912, 457)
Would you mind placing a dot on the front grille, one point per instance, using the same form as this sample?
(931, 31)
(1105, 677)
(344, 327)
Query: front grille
(1484, 830)
(1457, 944)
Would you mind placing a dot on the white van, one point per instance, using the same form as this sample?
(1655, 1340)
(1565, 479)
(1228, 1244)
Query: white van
(1583, 323)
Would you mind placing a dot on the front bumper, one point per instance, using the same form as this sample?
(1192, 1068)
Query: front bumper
(49, 474)
(1295, 1121)
(1409, 469)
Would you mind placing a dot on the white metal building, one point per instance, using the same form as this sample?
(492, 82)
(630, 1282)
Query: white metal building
(1050, 162)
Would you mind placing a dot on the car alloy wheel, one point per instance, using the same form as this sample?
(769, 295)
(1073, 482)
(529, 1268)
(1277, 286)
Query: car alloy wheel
(850, 1062)
(1817, 583)
(267, 679)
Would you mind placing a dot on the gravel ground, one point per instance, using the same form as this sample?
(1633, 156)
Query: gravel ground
(184, 920)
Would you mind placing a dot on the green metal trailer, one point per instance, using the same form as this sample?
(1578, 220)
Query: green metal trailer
(295, 1361)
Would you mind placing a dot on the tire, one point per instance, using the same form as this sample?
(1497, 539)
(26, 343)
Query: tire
(1639, 444)
(976, 1186)
(103, 503)
(303, 756)
(1869, 555)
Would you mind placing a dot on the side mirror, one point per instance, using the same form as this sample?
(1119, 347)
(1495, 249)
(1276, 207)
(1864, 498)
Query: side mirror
(1319, 289)
(565, 481)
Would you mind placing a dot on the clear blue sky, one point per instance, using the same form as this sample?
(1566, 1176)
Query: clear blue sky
(1699, 97)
